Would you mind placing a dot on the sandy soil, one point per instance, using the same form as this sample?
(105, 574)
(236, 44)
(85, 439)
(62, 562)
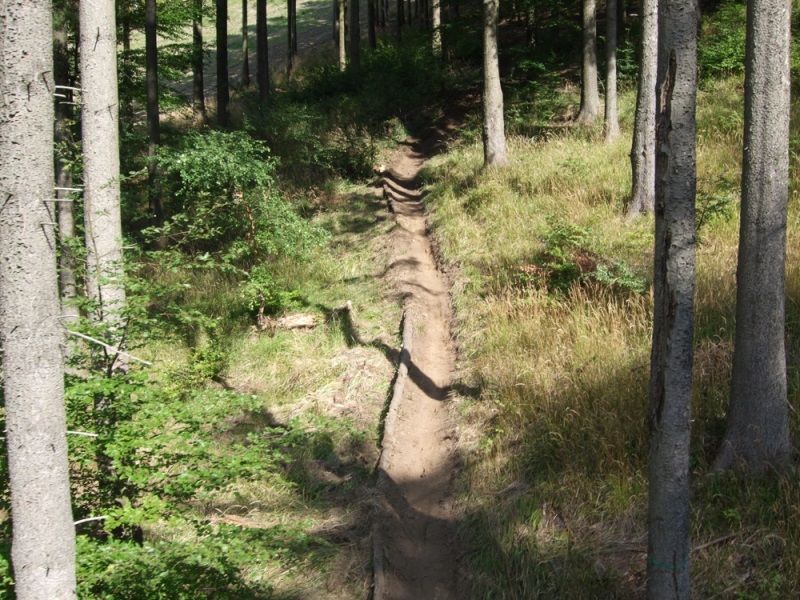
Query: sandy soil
(417, 524)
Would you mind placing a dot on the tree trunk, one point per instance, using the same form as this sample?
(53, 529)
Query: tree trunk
(43, 542)
(643, 150)
(101, 195)
(373, 41)
(198, 94)
(611, 117)
(64, 185)
(291, 15)
(342, 32)
(673, 313)
(437, 28)
(245, 48)
(401, 18)
(223, 94)
(355, 41)
(262, 50)
(757, 435)
(153, 125)
(590, 96)
(494, 137)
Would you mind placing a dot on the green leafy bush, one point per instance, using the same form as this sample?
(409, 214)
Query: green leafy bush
(722, 42)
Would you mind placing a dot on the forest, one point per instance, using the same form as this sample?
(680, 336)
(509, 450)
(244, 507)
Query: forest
(409, 300)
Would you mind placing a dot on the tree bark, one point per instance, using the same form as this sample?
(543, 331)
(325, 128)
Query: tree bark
(437, 28)
(245, 48)
(643, 150)
(100, 139)
(371, 37)
(611, 116)
(223, 93)
(63, 140)
(198, 93)
(673, 314)
(590, 96)
(494, 137)
(355, 41)
(43, 542)
(153, 124)
(291, 38)
(757, 434)
(342, 31)
(262, 50)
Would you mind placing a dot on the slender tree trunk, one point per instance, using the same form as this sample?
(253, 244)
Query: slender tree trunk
(355, 40)
(673, 314)
(223, 93)
(126, 64)
(100, 139)
(153, 124)
(590, 96)
(342, 40)
(294, 27)
(64, 185)
(262, 50)
(43, 542)
(373, 42)
(611, 117)
(290, 33)
(245, 48)
(437, 28)
(757, 435)
(494, 137)
(198, 93)
(643, 150)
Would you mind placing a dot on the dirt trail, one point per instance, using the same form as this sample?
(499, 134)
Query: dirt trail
(418, 558)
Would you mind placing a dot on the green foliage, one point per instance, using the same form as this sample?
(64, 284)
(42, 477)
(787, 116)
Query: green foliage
(566, 262)
(715, 206)
(218, 163)
(226, 212)
(226, 208)
(722, 42)
(118, 570)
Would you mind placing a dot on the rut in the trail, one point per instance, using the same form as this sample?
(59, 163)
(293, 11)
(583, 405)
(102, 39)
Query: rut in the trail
(416, 528)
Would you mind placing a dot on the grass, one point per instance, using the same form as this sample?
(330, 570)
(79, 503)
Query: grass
(554, 493)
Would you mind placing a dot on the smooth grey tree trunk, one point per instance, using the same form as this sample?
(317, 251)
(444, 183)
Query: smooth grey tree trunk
(355, 41)
(223, 92)
(153, 121)
(590, 96)
(342, 35)
(43, 534)
(342, 4)
(673, 312)
(198, 92)
(643, 148)
(64, 184)
(494, 136)
(245, 47)
(437, 28)
(611, 115)
(262, 50)
(757, 435)
(100, 142)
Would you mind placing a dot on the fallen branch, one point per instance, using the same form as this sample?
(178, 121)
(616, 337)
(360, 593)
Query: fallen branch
(109, 347)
